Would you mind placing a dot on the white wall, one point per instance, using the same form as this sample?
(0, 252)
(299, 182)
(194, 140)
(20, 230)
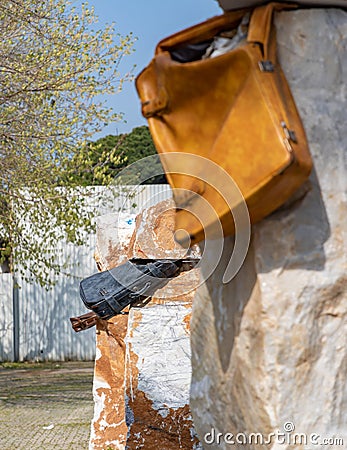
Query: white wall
(45, 332)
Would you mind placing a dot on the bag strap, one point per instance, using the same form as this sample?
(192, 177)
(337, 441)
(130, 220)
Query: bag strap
(262, 32)
(260, 28)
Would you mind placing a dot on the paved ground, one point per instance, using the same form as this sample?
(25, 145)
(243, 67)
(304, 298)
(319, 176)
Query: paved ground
(49, 407)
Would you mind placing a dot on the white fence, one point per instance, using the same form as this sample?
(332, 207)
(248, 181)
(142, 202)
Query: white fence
(34, 323)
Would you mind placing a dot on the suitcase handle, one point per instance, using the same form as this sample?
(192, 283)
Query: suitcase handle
(154, 98)
(84, 321)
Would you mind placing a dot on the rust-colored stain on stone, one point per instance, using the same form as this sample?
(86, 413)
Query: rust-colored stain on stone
(109, 421)
(164, 228)
(152, 431)
(186, 322)
(154, 233)
(116, 255)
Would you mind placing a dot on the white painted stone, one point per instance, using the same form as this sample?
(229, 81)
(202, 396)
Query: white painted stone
(161, 343)
(114, 232)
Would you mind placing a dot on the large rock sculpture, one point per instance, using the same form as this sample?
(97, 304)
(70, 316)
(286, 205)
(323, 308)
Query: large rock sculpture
(269, 349)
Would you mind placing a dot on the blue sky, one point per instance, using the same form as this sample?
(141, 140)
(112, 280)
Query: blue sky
(150, 21)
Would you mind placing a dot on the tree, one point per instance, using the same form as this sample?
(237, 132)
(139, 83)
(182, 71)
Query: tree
(102, 160)
(53, 68)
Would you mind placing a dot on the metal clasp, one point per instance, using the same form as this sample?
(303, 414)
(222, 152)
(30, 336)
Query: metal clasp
(289, 134)
(266, 66)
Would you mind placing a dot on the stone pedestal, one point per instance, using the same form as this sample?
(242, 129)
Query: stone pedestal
(269, 349)
(143, 365)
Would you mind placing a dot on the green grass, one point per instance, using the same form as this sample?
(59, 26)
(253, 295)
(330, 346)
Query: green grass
(51, 365)
(30, 365)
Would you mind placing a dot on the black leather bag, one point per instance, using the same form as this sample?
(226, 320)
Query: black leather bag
(108, 293)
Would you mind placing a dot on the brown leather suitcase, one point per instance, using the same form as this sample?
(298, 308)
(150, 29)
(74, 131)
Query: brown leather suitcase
(235, 110)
